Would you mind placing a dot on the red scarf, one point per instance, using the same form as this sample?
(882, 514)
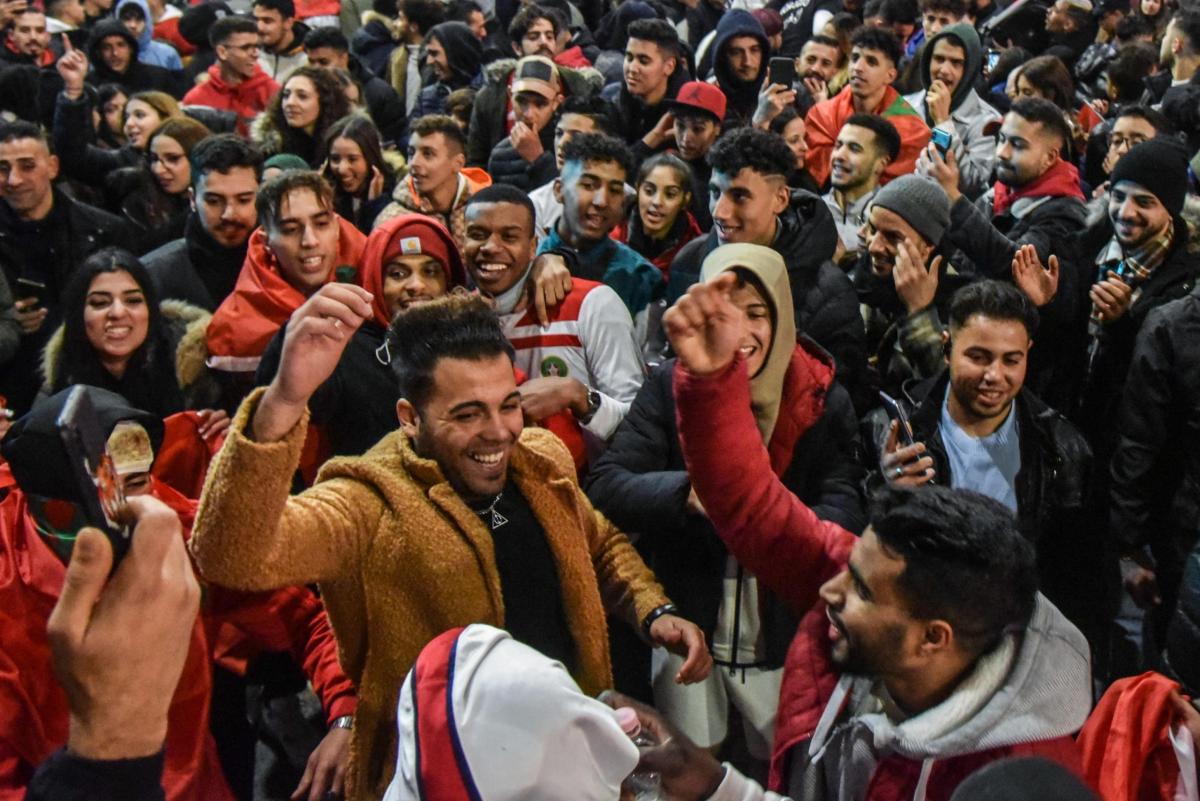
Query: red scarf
(1061, 180)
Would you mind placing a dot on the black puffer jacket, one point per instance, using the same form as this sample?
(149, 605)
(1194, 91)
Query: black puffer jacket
(641, 484)
(1052, 489)
(506, 166)
(195, 268)
(633, 118)
(825, 301)
(1156, 465)
(490, 112)
(1183, 636)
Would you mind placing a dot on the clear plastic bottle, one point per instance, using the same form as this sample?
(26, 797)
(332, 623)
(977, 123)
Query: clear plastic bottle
(645, 785)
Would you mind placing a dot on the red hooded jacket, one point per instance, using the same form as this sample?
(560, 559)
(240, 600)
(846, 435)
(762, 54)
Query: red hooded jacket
(262, 301)
(1061, 180)
(793, 552)
(248, 98)
(33, 708)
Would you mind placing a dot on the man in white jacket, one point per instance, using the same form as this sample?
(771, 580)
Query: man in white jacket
(950, 104)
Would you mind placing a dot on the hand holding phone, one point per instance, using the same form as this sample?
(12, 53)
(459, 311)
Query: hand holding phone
(782, 71)
(903, 463)
(100, 488)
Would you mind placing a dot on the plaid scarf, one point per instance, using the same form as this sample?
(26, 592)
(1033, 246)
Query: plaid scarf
(1133, 267)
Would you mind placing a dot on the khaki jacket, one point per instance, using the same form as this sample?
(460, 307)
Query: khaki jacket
(400, 558)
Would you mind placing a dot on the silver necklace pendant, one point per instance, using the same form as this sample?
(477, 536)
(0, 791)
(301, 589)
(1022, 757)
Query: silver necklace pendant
(497, 519)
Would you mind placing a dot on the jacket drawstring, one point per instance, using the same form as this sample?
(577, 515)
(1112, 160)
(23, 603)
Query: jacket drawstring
(923, 781)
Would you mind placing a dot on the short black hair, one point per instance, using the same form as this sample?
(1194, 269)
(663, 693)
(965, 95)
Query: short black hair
(957, 8)
(905, 12)
(528, 15)
(1156, 118)
(593, 107)
(227, 26)
(425, 14)
(286, 8)
(751, 148)
(1132, 26)
(965, 560)
(222, 153)
(443, 124)
(505, 193)
(595, 147)
(1132, 63)
(270, 195)
(1187, 23)
(131, 11)
(1045, 113)
(452, 327)
(326, 36)
(461, 10)
(995, 300)
(659, 31)
(871, 37)
(23, 129)
(385, 8)
(887, 138)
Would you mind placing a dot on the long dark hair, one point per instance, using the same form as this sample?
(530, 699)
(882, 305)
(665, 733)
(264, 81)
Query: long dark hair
(149, 381)
(360, 130)
(330, 98)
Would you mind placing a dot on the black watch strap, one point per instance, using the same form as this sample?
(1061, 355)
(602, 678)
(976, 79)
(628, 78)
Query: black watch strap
(665, 609)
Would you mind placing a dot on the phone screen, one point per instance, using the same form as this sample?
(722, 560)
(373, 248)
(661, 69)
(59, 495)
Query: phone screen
(96, 478)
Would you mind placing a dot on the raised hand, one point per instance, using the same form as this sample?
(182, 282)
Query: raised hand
(1039, 284)
(818, 90)
(73, 67)
(705, 328)
(773, 99)
(915, 284)
(1112, 297)
(526, 142)
(316, 335)
(906, 466)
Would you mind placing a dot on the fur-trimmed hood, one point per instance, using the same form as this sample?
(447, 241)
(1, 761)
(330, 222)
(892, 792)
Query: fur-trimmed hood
(582, 82)
(265, 134)
(185, 327)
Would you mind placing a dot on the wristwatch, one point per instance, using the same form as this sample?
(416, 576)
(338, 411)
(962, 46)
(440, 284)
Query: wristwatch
(593, 398)
(344, 722)
(665, 609)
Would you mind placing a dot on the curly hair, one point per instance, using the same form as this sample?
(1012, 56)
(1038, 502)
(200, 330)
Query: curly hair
(596, 147)
(331, 100)
(763, 152)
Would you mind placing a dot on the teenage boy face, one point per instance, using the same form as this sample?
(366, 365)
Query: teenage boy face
(745, 206)
(593, 197)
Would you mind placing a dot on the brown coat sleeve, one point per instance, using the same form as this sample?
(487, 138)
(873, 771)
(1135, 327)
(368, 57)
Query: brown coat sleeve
(250, 535)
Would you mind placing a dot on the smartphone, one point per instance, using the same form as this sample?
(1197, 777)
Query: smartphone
(895, 412)
(993, 58)
(941, 140)
(782, 72)
(28, 288)
(93, 471)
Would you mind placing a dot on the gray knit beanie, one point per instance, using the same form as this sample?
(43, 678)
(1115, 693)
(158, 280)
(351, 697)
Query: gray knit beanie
(920, 202)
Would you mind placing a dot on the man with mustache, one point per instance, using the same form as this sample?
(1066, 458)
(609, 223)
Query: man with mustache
(202, 266)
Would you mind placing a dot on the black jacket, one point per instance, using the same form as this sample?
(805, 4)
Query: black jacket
(489, 115)
(1156, 466)
(986, 244)
(383, 104)
(507, 167)
(373, 44)
(80, 159)
(1052, 488)
(49, 251)
(824, 299)
(633, 118)
(194, 268)
(137, 77)
(741, 96)
(356, 405)
(1183, 636)
(1171, 280)
(641, 484)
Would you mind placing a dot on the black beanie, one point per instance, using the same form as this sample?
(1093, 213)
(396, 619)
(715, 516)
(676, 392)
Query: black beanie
(34, 447)
(1160, 166)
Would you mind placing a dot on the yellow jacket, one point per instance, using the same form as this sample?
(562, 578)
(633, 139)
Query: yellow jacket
(400, 559)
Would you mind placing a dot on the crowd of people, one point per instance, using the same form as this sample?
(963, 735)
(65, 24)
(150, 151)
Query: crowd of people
(807, 381)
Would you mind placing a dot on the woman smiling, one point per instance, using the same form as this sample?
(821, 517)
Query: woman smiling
(662, 224)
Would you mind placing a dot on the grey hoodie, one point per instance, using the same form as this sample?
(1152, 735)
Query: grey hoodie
(1034, 686)
(974, 150)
